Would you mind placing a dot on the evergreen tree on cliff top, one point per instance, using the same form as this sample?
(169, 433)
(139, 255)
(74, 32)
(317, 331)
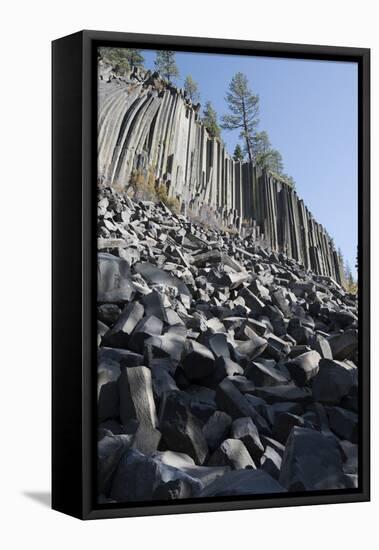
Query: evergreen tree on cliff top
(210, 120)
(192, 89)
(134, 57)
(116, 58)
(121, 59)
(165, 64)
(244, 108)
(238, 153)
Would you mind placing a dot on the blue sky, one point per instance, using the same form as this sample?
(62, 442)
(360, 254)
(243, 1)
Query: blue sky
(309, 109)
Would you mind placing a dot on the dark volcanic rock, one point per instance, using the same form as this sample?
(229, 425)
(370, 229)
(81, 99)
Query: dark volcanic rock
(217, 429)
(304, 367)
(108, 406)
(333, 382)
(110, 449)
(283, 425)
(226, 367)
(245, 430)
(136, 396)
(230, 400)
(312, 461)
(243, 482)
(113, 279)
(264, 373)
(233, 453)
(344, 346)
(138, 476)
(147, 327)
(172, 490)
(198, 362)
(240, 348)
(271, 462)
(180, 429)
(118, 335)
(289, 392)
(343, 423)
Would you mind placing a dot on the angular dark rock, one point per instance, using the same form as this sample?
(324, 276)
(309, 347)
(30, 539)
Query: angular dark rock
(322, 346)
(226, 367)
(283, 425)
(172, 490)
(344, 346)
(157, 276)
(146, 438)
(271, 462)
(113, 279)
(217, 429)
(253, 347)
(333, 382)
(118, 335)
(304, 367)
(255, 304)
(154, 305)
(312, 461)
(263, 373)
(242, 482)
(350, 457)
(230, 400)
(233, 453)
(180, 429)
(280, 301)
(246, 431)
(110, 449)
(108, 313)
(219, 346)
(198, 362)
(343, 423)
(136, 396)
(108, 406)
(147, 327)
(138, 476)
(279, 394)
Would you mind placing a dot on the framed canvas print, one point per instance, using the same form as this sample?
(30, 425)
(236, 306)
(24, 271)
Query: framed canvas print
(210, 274)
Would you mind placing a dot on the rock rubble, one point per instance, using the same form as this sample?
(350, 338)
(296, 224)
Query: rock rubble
(224, 368)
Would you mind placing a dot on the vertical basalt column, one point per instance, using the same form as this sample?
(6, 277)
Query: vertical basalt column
(155, 129)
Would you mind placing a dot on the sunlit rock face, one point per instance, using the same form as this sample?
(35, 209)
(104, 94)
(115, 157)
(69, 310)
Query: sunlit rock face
(147, 126)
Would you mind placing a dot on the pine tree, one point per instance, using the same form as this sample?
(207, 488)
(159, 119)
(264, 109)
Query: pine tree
(165, 64)
(192, 89)
(244, 107)
(134, 57)
(238, 153)
(115, 58)
(289, 179)
(210, 120)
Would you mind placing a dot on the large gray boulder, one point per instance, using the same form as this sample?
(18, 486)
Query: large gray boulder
(304, 367)
(233, 453)
(113, 279)
(217, 429)
(246, 431)
(243, 482)
(136, 396)
(312, 461)
(181, 430)
(138, 476)
(333, 382)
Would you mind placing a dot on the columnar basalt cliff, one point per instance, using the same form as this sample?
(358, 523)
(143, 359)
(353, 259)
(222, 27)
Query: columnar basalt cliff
(147, 125)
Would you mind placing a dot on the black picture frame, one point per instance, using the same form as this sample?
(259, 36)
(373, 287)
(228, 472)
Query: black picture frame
(74, 270)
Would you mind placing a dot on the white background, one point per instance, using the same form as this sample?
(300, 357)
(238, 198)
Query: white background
(27, 29)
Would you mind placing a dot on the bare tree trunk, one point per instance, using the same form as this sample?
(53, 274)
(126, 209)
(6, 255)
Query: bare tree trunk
(247, 136)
